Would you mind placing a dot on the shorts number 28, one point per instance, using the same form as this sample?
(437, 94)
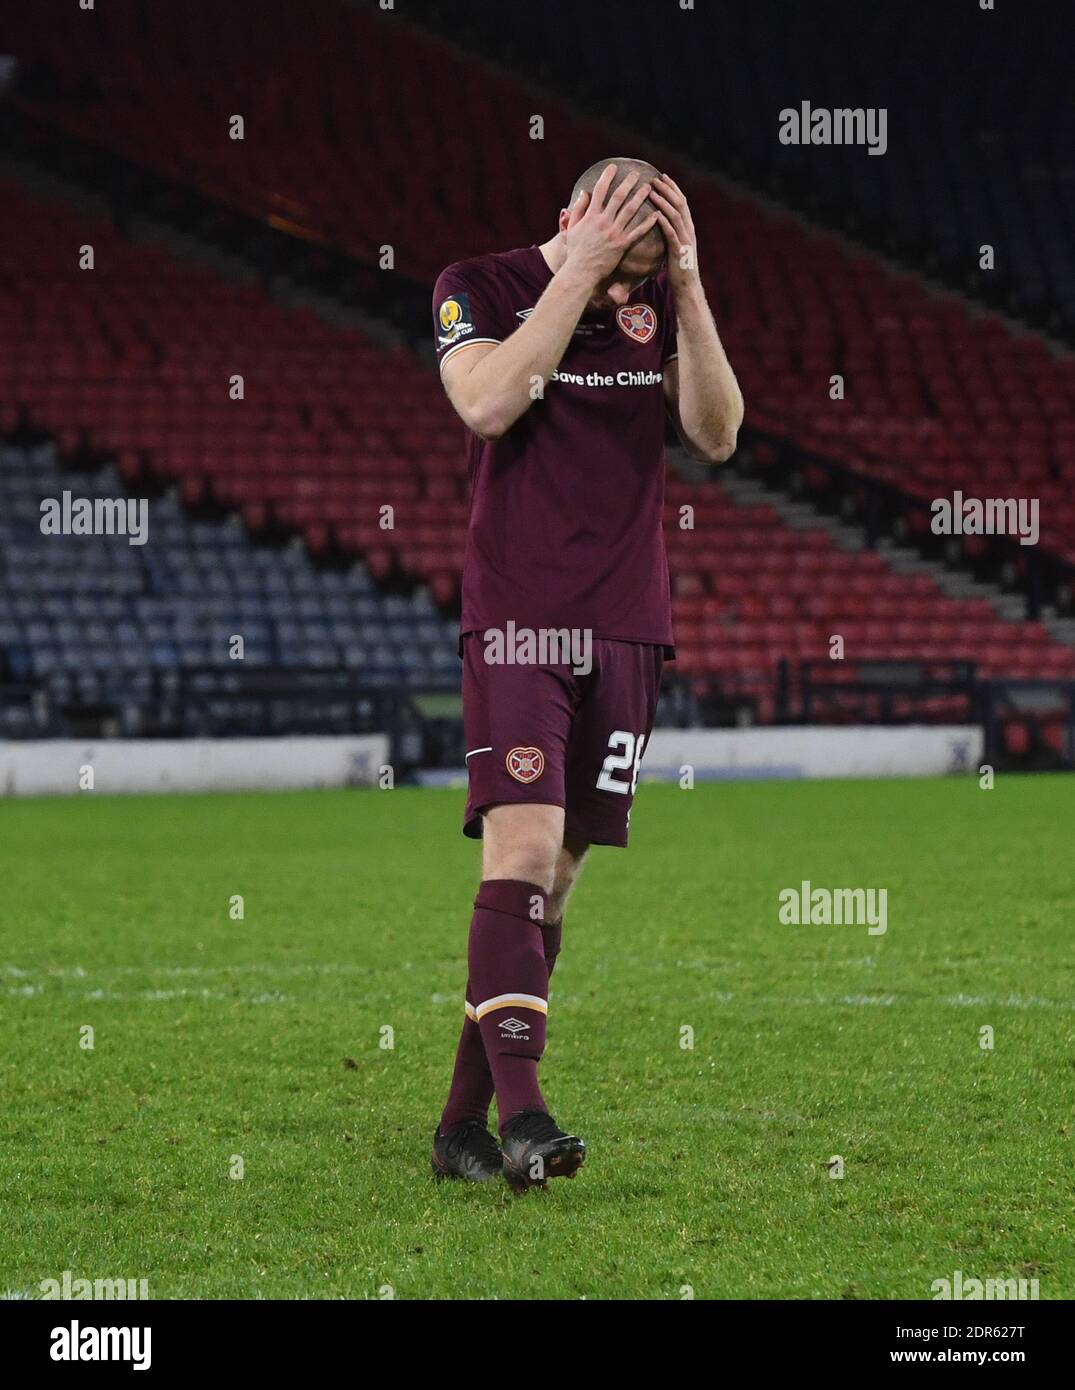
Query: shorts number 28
(627, 753)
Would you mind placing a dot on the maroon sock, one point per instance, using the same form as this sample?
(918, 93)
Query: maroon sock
(510, 989)
(472, 1080)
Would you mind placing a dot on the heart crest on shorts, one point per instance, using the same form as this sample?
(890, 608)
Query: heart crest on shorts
(525, 764)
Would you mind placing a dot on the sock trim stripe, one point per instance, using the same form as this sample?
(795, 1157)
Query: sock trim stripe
(529, 1001)
(515, 1001)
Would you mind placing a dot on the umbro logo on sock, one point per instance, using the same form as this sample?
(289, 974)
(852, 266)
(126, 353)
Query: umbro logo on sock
(514, 1025)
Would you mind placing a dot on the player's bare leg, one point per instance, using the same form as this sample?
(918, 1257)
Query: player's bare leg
(568, 867)
(523, 842)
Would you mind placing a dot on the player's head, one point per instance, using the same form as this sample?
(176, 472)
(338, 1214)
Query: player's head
(642, 260)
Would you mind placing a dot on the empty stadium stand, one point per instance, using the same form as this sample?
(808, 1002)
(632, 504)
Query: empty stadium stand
(249, 425)
(936, 397)
(988, 164)
(135, 359)
(94, 623)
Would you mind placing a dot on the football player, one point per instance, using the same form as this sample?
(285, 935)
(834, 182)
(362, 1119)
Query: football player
(563, 361)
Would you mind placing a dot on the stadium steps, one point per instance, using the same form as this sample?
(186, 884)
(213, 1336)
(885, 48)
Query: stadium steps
(230, 265)
(804, 516)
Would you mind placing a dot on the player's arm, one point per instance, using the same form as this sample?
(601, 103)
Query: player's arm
(700, 388)
(491, 386)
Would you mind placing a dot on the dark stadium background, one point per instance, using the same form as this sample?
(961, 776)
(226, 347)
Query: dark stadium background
(380, 145)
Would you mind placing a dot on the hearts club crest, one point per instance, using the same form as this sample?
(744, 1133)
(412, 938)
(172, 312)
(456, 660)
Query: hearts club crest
(638, 321)
(525, 764)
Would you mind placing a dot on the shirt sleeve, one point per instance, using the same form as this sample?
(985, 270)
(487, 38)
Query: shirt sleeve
(464, 312)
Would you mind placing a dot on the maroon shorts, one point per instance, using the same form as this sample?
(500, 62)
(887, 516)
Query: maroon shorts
(547, 735)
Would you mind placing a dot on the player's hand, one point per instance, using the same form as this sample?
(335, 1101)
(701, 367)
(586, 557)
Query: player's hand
(597, 233)
(674, 220)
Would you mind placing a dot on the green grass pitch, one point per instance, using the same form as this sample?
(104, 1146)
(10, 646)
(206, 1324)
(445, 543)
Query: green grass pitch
(708, 1169)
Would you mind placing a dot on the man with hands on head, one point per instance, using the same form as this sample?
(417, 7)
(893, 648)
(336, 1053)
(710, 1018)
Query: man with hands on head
(563, 361)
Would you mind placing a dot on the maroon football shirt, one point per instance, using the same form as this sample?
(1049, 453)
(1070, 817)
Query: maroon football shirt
(566, 508)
